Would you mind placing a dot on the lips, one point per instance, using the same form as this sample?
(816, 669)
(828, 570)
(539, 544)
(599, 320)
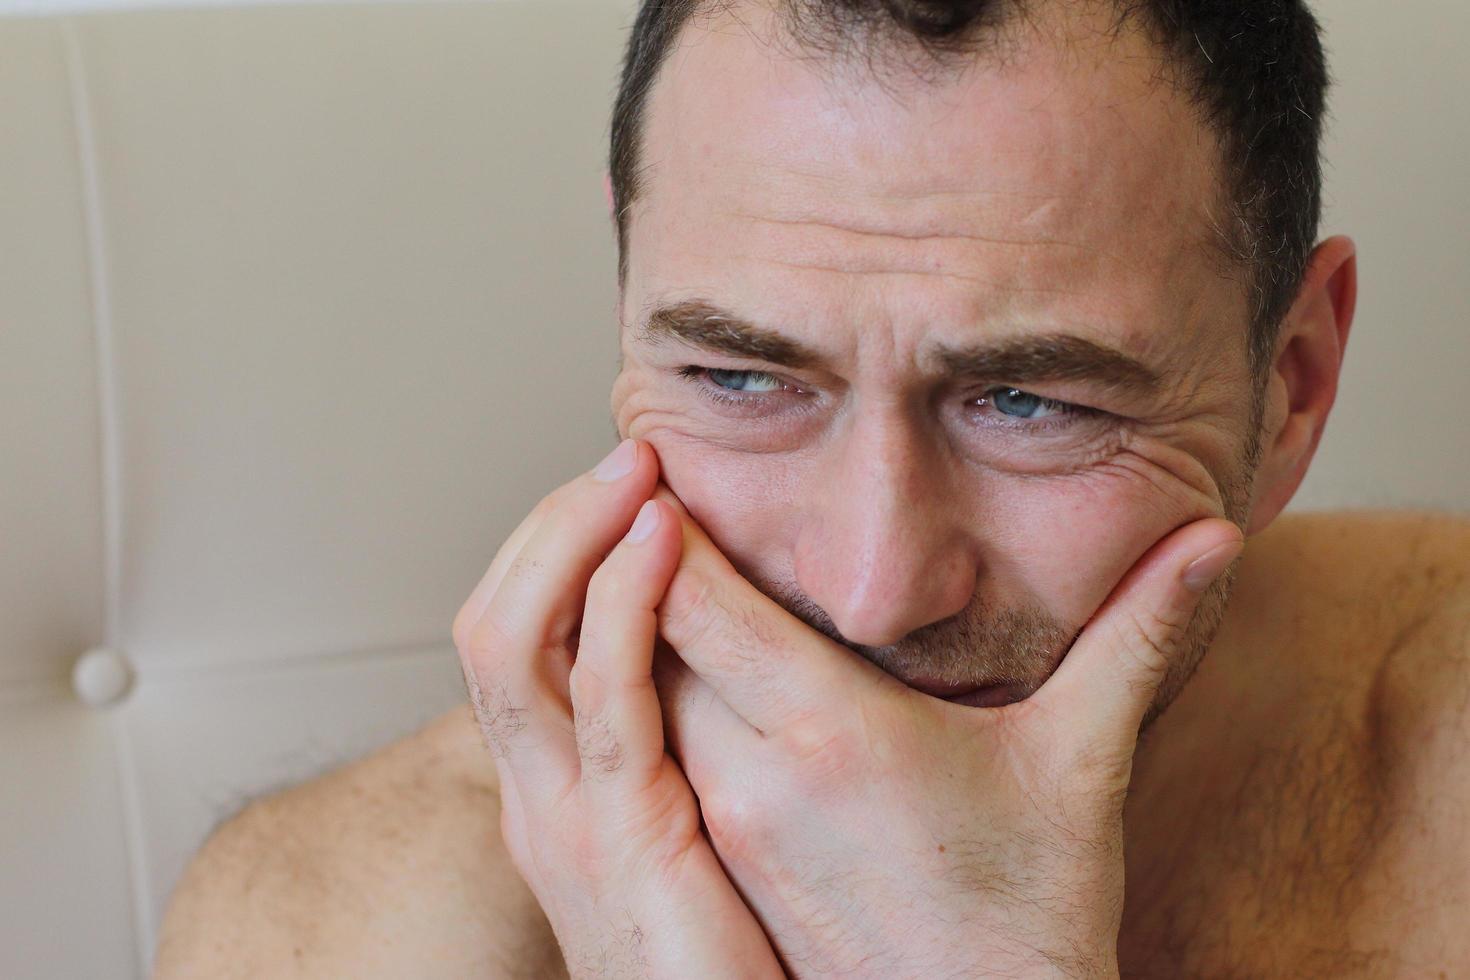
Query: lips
(935, 689)
(971, 695)
(990, 695)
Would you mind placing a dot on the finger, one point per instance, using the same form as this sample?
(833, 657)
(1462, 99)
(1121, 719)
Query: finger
(519, 651)
(474, 607)
(770, 667)
(504, 720)
(1112, 673)
(712, 744)
(513, 830)
(615, 706)
(541, 595)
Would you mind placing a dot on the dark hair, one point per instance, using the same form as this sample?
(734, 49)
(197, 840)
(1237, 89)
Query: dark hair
(1254, 69)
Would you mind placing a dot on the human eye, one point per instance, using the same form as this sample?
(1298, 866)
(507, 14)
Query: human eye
(1027, 411)
(743, 389)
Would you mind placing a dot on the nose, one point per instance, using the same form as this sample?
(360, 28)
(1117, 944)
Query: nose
(883, 549)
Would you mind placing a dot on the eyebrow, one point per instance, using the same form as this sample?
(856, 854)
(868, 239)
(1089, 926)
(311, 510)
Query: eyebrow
(1045, 357)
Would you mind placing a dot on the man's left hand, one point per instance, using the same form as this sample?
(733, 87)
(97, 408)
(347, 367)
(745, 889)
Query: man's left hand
(875, 830)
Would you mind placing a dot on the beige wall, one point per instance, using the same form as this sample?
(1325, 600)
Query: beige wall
(1398, 142)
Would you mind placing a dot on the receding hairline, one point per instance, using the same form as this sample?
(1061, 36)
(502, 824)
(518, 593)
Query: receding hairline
(903, 64)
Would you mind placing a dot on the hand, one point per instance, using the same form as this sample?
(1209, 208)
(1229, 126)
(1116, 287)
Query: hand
(596, 816)
(878, 831)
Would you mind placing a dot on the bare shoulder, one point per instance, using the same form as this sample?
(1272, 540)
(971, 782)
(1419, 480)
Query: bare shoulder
(1401, 584)
(1417, 556)
(391, 866)
(1391, 590)
(1373, 581)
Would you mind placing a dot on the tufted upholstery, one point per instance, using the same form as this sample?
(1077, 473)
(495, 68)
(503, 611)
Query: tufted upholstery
(302, 308)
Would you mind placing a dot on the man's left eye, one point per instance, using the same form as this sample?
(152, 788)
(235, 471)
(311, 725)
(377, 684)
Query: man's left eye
(1024, 405)
(752, 390)
(742, 380)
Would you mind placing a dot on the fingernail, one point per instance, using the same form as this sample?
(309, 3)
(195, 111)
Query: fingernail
(645, 524)
(618, 464)
(1207, 567)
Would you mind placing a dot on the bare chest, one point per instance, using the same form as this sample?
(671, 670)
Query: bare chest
(1299, 858)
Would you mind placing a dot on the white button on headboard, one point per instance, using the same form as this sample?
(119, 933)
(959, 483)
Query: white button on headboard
(101, 677)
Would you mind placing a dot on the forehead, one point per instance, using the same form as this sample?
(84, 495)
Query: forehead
(1055, 172)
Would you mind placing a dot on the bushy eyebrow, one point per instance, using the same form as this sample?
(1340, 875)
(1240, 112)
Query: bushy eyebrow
(704, 325)
(1019, 360)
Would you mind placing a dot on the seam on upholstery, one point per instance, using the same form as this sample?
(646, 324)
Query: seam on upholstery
(102, 326)
(110, 469)
(179, 669)
(144, 926)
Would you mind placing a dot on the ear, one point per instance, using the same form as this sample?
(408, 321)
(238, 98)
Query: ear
(607, 193)
(1302, 383)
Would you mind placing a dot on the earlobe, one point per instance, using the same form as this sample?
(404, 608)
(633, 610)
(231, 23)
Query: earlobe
(1303, 382)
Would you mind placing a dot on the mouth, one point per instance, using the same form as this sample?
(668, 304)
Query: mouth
(974, 695)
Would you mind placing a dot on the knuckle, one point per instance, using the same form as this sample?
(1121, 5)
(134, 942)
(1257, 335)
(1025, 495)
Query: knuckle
(607, 589)
(488, 642)
(736, 823)
(688, 606)
(734, 639)
(499, 719)
(554, 499)
(460, 629)
(823, 754)
(598, 746)
(589, 859)
(588, 688)
(1150, 640)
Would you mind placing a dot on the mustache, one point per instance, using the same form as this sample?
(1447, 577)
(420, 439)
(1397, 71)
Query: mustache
(985, 643)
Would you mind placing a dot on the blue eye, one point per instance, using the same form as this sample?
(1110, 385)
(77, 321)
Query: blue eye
(732, 380)
(1024, 405)
(753, 392)
(745, 390)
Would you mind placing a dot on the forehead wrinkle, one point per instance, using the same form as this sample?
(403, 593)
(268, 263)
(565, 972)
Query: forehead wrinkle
(940, 273)
(733, 144)
(910, 236)
(927, 235)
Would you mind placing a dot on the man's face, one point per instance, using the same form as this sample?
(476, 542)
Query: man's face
(1036, 212)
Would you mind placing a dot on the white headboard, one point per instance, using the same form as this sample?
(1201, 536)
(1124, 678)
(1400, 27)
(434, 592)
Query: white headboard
(302, 308)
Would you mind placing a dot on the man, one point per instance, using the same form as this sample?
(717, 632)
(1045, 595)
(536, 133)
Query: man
(963, 342)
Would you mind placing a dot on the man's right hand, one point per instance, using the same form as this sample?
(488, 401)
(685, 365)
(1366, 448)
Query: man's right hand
(557, 643)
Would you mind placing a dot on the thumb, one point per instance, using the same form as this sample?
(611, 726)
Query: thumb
(1109, 677)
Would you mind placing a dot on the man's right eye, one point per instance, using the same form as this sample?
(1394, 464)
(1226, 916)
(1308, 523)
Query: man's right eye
(733, 379)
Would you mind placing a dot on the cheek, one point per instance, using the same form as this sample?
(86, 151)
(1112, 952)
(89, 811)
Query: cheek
(742, 500)
(1059, 542)
(1066, 543)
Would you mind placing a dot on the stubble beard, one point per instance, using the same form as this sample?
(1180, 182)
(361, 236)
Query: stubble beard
(1021, 646)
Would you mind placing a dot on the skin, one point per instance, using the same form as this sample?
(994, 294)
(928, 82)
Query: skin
(781, 769)
(1247, 826)
(869, 228)
(976, 536)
